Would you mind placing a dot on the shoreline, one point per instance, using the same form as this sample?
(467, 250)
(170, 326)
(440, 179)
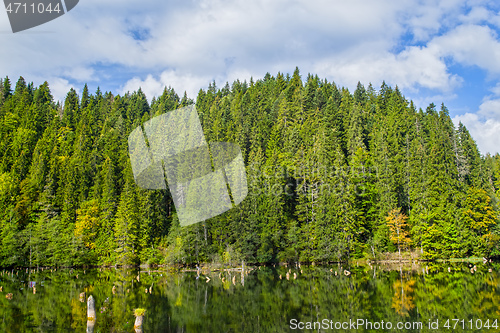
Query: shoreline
(238, 267)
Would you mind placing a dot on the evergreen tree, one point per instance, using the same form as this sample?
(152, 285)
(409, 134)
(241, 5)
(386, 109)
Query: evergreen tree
(325, 168)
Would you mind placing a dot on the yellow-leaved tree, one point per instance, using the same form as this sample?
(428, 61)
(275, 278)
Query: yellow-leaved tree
(87, 222)
(397, 223)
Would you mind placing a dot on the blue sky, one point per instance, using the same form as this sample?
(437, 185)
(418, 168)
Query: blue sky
(436, 51)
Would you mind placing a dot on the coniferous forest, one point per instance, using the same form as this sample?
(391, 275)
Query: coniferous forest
(332, 175)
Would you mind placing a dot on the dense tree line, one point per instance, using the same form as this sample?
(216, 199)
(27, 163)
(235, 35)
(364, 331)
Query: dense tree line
(326, 169)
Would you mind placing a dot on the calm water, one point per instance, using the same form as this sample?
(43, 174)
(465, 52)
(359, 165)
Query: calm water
(258, 302)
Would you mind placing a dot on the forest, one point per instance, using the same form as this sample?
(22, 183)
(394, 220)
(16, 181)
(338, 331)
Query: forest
(332, 176)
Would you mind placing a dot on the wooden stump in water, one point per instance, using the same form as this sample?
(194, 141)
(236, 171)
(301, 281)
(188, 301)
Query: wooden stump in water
(139, 317)
(90, 326)
(91, 308)
(91, 317)
(138, 322)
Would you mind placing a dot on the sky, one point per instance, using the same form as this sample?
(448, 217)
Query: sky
(445, 51)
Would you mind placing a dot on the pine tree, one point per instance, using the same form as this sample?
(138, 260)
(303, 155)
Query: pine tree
(325, 169)
(479, 219)
(126, 227)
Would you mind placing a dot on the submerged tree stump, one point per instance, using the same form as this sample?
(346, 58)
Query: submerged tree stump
(138, 322)
(90, 326)
(91, 316)
(139, 317)
(91, 308)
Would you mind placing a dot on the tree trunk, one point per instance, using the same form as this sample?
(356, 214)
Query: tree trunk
(91, 316)
(138, 324)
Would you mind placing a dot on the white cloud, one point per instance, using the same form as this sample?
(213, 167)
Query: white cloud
(470, 45)
(496, 89)
(200, 37)
(425, 18)
(81, 74)
(423, 101)
(476, 15)
(216, 37)
(186, 45)
(413, 67)
(486, 133)
(59, 88)
(153, 87)
(490, 109)
(484, 125)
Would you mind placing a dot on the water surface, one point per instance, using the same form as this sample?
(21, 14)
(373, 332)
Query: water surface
(264, 299)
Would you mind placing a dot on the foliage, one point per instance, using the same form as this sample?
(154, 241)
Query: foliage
(396, 221)
(324, 168)
(139, 312)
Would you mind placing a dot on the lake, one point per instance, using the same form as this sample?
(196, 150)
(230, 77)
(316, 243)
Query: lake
(441, 297)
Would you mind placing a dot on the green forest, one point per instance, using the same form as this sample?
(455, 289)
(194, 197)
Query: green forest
(332, 175)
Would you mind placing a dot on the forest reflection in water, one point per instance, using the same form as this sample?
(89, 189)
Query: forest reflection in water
(262, 299)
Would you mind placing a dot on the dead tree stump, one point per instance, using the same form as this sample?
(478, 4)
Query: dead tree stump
(91, 316)
(139, 318)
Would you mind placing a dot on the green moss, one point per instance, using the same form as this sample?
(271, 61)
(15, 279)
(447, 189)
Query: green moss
(139, 312)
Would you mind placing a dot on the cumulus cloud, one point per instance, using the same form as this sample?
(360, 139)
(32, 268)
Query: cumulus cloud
(413, 67)
(123, 45)
(496, 89)
(153, 87)
(202, 38)
(81, 74)
(490, 109)
(484, 125)
(59, 88)
(216, 37)
(424, 19)
(470, 45)
(476, 15)
(484, 131)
